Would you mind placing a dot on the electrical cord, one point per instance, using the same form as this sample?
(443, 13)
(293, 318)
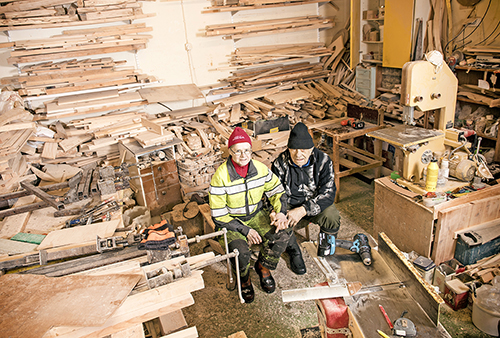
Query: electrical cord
(467, 25)
(493, 31)
(480, 22)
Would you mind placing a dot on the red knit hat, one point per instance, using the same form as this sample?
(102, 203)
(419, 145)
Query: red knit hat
(238, 136)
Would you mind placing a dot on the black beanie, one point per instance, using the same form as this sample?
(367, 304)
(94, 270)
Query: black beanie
(300, 137)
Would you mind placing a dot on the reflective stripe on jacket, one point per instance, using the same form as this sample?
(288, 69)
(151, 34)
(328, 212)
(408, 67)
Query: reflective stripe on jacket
(233, 198)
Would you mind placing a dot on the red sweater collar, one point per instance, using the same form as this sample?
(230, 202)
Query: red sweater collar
(242, 171)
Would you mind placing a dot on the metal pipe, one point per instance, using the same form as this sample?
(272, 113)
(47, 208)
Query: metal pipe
(238, 275)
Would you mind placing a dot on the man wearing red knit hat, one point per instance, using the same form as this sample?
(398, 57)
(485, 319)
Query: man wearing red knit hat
(235, 196)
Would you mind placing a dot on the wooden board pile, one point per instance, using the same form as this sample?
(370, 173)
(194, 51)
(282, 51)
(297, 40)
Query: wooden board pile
(266, 27)
(55, 78)
(266, 55)
(236, 5)
(79, 42)
(23, 14)
(265, 77)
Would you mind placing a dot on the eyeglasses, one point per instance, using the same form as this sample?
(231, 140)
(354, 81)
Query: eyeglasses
(238, 153)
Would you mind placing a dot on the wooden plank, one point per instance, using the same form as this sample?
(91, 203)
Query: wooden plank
(72, 99)
(171, 93)
(33, 304)
(79, 53)
(31, 4)
(451, 220)
(235, 113)
(18, 126)
(73, 142)
(135, 331)
(190, 332)
(12, 225)
(79, 234)
(8, 247)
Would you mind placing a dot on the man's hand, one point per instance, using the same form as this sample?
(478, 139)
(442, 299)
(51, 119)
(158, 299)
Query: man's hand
(253, 237)
(295, 215)
(279, 220)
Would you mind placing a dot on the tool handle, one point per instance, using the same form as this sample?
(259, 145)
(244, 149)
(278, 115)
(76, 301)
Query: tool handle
(386, 317)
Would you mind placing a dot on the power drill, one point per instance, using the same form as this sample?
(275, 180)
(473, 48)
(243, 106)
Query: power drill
(359, 244)
(352, 122)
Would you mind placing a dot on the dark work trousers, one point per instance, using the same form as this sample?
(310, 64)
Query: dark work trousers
(328, 221)
(272, 246)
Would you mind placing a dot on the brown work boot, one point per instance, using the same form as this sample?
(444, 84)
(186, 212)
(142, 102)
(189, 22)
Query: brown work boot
(247, 290)
(266, 279)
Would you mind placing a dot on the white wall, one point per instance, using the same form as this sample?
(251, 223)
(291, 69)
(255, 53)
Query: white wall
(180, 25)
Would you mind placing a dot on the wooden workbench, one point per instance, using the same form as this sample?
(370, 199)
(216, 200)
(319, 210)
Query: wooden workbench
(431, 232)
(371, 160)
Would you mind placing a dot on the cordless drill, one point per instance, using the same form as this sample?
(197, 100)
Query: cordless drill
(359, 244)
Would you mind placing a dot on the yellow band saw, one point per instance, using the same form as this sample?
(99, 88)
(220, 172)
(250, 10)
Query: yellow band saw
(427, 85)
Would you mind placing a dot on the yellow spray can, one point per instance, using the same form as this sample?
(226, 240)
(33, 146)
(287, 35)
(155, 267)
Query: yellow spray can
(432, 176)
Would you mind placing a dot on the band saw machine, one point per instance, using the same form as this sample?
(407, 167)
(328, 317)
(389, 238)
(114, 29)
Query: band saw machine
(427, 85)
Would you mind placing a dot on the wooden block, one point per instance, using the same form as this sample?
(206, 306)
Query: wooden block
(172, 322)
(152, 126)
(49, 150)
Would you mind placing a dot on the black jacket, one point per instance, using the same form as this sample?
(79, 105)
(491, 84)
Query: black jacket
(312, 186)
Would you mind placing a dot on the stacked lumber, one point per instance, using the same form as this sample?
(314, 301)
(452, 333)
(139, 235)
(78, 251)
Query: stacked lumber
(266, 27)
(77, 43)
(265, 55)
(230, 6)
(269, 76)
(24, 14)
(82, 104)
(56, 78)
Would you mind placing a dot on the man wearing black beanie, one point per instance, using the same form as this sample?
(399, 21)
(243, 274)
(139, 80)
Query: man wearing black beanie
(308, 178)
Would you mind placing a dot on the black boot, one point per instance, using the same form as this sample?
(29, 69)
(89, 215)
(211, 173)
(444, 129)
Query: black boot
(326, 243)
(296, 261)
(266, 279)
(247, 289)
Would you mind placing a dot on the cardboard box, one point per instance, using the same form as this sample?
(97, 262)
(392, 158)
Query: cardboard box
(442, 274)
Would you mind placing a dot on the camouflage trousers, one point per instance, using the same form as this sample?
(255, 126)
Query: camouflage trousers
(272, 246)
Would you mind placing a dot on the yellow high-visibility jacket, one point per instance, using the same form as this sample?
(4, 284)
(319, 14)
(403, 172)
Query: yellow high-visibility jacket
(234, 199)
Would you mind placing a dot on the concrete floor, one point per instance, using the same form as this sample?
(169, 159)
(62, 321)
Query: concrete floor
(217, 312)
